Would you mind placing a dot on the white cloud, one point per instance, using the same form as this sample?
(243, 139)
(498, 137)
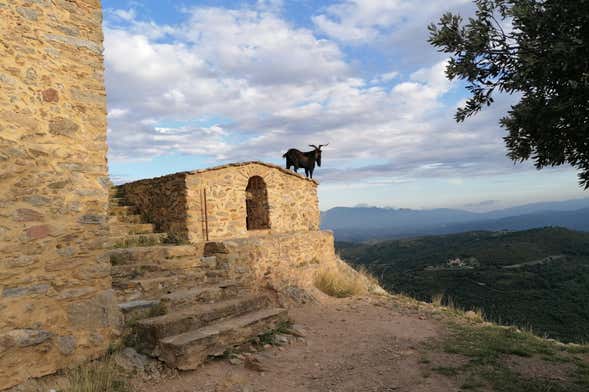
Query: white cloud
(270, 5)
(261, 48)
(115, 113)
(387, 77)
(272, 85)
(126, 15)
(361, 21)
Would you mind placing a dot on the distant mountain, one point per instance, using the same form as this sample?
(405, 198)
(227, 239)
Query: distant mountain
(574, 220)
(373, 223)
(374, 217)
(565, 205)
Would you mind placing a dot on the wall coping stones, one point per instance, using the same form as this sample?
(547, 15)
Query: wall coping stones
(235, 164)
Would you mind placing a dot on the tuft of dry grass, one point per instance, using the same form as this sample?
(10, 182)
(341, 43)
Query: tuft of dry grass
(341, 281)
(97, 376)
(438, 299)
(447, 302)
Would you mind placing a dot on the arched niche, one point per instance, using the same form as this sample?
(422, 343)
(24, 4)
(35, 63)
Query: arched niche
(256, 201)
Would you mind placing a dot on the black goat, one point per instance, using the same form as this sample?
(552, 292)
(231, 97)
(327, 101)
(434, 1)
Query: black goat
(305, 160)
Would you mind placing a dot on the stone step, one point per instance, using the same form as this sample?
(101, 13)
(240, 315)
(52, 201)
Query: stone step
(151, 330)
(139, 309)
(160, 254)
(147, 288)
(209, 261)
(136, 240)
(133, 271)
(182, 299)
(129, 219)
(120, 229)
(214, 248)
(171, 268)
(122, 210)
(217, 274)
(118, 201)
(187, 351)
(124, 277)
(115, 192)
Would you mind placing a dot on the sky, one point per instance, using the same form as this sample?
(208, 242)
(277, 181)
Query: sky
(194, 84)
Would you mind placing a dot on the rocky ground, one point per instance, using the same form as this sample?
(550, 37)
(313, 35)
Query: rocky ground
(348, 345)
(388, 344)
(378, 344)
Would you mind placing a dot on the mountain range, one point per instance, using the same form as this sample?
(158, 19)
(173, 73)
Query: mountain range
(375, 223)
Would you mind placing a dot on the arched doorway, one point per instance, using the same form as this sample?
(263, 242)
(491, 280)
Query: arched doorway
(256, 201)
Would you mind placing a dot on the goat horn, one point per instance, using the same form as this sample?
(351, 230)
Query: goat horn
(314, 146)
(323, 145)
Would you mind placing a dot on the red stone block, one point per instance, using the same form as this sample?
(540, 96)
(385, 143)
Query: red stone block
(50, 95)
(37, 232)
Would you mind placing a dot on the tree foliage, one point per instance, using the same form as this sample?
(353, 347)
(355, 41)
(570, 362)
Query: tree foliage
(538, 49)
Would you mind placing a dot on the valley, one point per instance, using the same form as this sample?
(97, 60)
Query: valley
(536, 279)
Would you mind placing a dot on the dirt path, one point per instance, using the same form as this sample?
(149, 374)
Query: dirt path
(349, 345)
(374, 344)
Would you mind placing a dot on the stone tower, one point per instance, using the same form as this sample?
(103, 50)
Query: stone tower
(56, 304)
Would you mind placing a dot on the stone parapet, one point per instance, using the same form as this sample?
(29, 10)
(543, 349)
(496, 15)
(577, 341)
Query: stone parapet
(278, 261)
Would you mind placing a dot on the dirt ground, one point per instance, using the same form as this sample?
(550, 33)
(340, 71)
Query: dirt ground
(349, 345)
(372, 344)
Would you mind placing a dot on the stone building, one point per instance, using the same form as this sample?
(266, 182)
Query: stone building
(232, 201)
(264, 217)
(56, 303)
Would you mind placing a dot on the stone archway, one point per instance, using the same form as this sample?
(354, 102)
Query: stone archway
(256, 201)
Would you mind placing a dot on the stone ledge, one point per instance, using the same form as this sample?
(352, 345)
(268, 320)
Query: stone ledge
(230, 165)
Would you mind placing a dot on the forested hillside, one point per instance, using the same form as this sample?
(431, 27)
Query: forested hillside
(536, 278)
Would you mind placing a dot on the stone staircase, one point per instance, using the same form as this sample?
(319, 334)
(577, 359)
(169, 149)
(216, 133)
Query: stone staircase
(178, 306)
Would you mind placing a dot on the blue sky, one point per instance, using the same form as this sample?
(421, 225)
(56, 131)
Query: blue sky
(193, 84)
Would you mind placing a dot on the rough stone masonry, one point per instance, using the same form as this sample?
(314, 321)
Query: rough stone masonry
(211, 204)
(214, 207)
(56, 304)
(57, 307)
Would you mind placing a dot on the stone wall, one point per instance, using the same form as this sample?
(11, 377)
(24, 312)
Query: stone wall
(277, 261)
(210, 205)
(56, 304)
(162, 201)
(292, 200)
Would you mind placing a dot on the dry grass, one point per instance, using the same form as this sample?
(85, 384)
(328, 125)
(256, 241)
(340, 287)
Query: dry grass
(491, 349)
(447, 303)
(97, 376)
(438, 299)
(341, 281)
